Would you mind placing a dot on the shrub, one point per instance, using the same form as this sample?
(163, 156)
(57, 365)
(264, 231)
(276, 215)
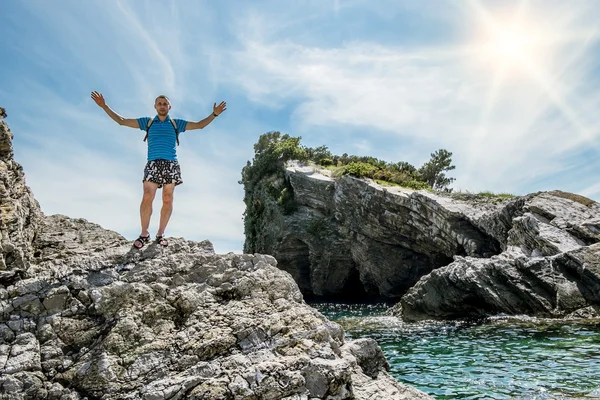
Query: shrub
(359, 169)
(417, 185)
(287, 201)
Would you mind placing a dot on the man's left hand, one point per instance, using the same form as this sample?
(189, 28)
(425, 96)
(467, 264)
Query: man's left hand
(218, 109)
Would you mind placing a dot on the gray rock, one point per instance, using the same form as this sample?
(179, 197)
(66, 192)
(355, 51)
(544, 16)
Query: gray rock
(559, 286)
(368, 355)
(183, 322)
(351, 237)
(549, 269)
(20, 213)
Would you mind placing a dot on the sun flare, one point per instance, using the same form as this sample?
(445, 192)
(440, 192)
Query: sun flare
(523, 48)
(514, 45)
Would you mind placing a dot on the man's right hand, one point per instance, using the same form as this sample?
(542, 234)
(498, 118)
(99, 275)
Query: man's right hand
(99, 99)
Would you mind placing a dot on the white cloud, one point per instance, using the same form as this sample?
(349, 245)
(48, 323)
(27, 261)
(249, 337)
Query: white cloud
(433, 96)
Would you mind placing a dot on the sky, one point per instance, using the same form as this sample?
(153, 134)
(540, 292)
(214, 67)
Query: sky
(509, 87)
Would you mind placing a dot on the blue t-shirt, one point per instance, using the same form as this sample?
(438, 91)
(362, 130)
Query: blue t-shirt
(162, 143)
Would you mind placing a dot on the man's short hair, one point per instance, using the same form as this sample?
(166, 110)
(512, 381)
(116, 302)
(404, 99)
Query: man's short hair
(162, 96)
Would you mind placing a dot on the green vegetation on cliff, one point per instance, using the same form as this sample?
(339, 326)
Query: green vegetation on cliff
(264, 178)
(264, 181)
(273, 149)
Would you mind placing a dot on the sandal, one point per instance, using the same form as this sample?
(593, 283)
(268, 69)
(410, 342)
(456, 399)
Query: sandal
(161, 240)
(141, 241)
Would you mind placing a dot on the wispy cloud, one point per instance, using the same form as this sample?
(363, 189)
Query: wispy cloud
(432, 94)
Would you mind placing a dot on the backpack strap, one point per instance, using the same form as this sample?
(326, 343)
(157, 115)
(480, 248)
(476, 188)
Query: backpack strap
(176, 130)
(151, 121)
(148, 125)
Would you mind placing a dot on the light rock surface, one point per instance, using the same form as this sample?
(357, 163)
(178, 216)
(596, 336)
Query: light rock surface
(85, 316)
(101, 320)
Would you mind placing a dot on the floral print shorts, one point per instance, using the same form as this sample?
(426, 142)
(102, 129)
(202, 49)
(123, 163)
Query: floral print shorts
(163, 172)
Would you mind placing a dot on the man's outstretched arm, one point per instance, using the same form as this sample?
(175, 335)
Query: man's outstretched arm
(99, 99)
(217, 110)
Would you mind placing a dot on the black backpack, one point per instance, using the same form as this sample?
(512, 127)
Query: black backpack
(151, 121)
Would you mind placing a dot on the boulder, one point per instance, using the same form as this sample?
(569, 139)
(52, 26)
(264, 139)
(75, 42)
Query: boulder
(551, 268)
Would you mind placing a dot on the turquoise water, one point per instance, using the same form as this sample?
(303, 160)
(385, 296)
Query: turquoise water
(501, 359)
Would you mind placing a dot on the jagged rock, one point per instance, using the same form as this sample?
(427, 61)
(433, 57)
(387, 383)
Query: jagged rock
(20, 213)
(106, 321)
(353, 237)
(88, 316)
(548, 269)
(471, 256)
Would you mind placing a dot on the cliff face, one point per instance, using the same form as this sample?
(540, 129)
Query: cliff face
(20, 214)
(85, 316)
(350, 238)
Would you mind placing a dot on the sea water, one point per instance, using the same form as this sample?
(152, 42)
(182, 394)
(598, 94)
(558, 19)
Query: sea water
(499, 358)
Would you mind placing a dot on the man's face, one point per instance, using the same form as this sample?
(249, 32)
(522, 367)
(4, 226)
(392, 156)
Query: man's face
(162, 106)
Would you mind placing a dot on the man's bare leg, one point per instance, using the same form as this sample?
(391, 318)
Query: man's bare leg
(167, 208)
(146, 206)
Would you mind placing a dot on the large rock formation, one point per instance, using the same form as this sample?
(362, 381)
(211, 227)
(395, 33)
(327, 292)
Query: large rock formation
(351, 237)
(550, 268)
(20, 214)
(83, 315)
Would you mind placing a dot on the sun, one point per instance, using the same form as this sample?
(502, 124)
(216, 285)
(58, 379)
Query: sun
(514, 45)
(521, 50)
(510, 44)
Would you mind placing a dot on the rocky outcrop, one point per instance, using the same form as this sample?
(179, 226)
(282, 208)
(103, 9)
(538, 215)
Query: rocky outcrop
(565, 285)
(353, 237)
(551, 268)
(88, 317)
(471, 255)
(20, 214)
(100, 320)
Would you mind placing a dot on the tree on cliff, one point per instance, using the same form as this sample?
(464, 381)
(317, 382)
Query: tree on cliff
(432, 171)
(270, 154)
(2, 113)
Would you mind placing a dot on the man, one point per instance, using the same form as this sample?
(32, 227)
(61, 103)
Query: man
(162, 169)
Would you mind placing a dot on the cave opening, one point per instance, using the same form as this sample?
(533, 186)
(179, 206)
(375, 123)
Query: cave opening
(295, 260)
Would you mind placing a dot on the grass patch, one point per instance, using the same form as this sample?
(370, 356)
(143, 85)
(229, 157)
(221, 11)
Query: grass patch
(572, 196)
(385, 183)
(487, 193)
(329, 167)
(415, 185)
(486, 196)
